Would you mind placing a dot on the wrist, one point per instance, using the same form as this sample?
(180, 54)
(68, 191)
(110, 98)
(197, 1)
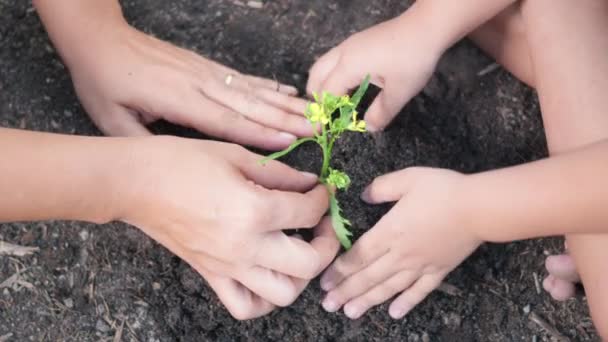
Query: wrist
(423, 16)
(445, 22)
(467, 212)
(61, 177)
(78, 29)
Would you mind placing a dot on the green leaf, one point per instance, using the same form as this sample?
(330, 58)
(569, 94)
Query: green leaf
(279, 154)
(358, 95)
(341, 124)
(339, 223)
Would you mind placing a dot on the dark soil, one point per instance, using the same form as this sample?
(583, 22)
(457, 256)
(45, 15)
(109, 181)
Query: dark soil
(89, 281)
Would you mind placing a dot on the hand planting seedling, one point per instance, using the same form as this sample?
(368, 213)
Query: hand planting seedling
(335, 115)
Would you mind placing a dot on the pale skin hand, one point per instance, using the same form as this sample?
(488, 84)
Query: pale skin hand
(345, 66)
(397, 256)
(565, 194)
(210, 203)
(223, 213)
(400, 54)
(126, 79)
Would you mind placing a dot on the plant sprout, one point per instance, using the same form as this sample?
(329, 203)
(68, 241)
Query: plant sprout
(335, 115)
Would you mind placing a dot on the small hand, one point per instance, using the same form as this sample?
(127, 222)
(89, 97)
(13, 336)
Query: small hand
(129, 79)
(395, 54)
(217, 208)
(400, 254)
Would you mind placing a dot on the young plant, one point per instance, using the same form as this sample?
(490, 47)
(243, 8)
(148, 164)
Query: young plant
(335, 115)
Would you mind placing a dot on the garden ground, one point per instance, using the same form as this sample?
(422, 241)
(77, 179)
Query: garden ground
(91, 283)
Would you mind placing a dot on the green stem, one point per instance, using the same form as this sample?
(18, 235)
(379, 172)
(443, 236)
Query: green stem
(325, 166)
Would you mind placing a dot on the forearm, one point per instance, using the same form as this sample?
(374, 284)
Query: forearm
(566, 194)
(447, 21)
(75, 26)
(48, 176)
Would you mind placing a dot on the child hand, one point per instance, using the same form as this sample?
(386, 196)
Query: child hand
(128, 79)
(409, 251)
(399, 57)
(216, 207)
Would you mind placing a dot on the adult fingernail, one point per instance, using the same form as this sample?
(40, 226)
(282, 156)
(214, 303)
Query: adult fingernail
(327, 283)
(397, 312)
(352, 312)
(287, 136)
(365, 195)
(330, 305)
(309, 175)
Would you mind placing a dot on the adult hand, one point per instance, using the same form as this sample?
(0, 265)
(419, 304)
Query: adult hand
(128, 79)
(216, 207)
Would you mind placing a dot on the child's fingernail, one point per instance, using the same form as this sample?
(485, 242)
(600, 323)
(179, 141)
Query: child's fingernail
(287, 136)
(309, 175)
(330, 305)
(352, 312)
(371, 128)
(365, 195)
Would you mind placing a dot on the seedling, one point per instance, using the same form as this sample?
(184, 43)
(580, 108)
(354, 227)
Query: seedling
(335, 115)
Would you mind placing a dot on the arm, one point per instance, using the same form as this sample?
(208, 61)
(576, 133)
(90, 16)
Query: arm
(199, 199)
(49, 176)
(400, 54)
(565, 194)
(447, 21)
(75, 26)
(126, 79)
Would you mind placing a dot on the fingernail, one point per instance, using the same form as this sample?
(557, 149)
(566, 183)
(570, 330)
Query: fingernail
(397, 312)
(309, 175)
(352, 312)
(326, 283)
(365, 195)
(371, 128)
(330, 305)
(287, 136)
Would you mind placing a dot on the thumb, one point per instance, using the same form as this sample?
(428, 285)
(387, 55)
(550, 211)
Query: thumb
(385, 107)
(273, 175)
(321, 70)
(390, 187)
(120, 122)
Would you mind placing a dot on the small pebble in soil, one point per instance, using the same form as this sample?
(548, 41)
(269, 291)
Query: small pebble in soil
(255, 4)
(527, 309)
(84, 235)
(102, 326)
(68, 302)
(452, 319)
(155, 286)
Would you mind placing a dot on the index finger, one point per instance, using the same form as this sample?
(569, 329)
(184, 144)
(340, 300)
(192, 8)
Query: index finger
(292, 210)
(297, 258)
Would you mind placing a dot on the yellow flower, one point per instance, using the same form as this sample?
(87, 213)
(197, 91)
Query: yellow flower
(317, 114)
(356, 125)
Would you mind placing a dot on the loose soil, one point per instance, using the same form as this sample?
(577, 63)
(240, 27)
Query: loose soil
(88, 282)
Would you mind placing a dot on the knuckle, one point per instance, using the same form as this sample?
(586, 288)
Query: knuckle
(311, 219)
(257, 208)
(339, 267)
(312, 270)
